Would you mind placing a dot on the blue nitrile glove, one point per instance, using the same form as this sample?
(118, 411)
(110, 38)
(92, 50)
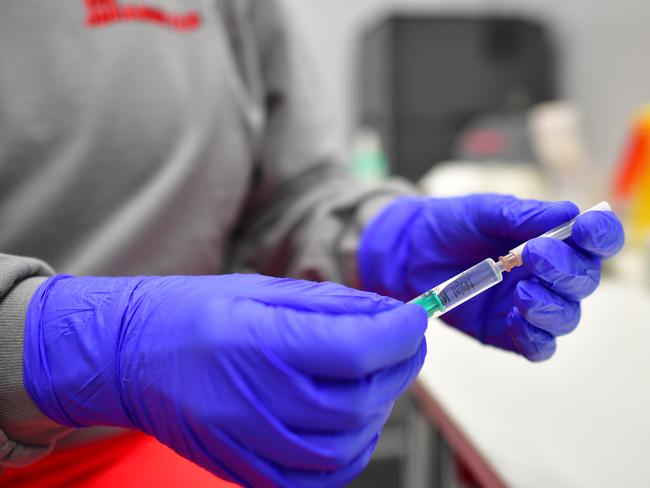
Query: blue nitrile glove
(416, 243)
(263, 381)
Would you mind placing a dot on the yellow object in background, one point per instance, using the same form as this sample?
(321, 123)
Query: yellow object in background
(633, 180)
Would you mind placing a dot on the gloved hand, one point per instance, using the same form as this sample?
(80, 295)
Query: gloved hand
(416, 243)
(262, 381)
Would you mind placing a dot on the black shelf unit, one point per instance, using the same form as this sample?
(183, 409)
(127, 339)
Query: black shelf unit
(422, 78)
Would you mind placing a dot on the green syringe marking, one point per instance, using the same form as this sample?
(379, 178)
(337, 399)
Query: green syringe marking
(430, 302)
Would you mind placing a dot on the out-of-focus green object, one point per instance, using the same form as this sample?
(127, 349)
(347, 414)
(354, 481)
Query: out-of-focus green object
(369, 162)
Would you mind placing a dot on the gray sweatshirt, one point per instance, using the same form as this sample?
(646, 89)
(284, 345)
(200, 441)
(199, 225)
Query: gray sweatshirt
(160, 137)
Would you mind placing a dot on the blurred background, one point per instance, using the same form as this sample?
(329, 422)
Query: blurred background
(537, 98)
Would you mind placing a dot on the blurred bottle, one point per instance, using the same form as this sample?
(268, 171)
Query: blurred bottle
(632, 183)
(557, 135)
(631, 201)
(369, 161)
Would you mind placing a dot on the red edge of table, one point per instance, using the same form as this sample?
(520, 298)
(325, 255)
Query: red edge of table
(456, 438)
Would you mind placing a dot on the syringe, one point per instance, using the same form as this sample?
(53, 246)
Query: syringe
(475, 280)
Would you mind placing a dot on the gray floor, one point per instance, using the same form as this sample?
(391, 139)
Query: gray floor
(410, 454)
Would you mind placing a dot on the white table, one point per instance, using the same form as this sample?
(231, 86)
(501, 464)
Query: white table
(581, 419)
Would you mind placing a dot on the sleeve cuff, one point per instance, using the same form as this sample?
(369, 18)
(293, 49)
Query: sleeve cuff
(372, 206)
(26, 434)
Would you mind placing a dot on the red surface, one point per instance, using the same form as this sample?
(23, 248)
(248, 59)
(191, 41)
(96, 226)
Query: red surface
(127, 460)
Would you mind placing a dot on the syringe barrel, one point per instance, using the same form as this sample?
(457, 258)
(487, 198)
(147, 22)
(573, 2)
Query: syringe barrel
(464, 286)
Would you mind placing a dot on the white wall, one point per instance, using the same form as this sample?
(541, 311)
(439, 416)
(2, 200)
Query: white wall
(605, 53)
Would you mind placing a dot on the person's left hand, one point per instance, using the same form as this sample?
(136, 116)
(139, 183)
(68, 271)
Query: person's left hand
(416, 243)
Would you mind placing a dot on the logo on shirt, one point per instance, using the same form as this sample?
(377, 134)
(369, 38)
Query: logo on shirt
(104, 12)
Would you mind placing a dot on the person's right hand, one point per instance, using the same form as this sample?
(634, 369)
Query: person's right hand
(416, 243)
(262, 381)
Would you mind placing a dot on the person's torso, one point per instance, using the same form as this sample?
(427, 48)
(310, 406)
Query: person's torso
(126, 135)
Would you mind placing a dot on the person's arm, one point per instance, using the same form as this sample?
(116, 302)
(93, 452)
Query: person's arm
(25, 433)
(303, 194)
(305, 212)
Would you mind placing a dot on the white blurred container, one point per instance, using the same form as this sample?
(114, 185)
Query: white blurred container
(462, 177)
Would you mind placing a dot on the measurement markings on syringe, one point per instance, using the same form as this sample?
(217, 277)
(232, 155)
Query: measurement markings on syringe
(460, 288)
